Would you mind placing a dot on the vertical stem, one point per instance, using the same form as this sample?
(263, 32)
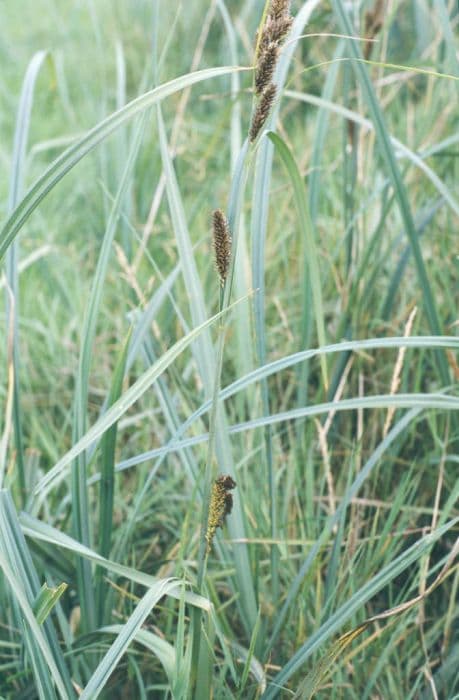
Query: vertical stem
(234, 208)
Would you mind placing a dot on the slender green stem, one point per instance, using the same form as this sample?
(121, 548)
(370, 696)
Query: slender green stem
(210, 471)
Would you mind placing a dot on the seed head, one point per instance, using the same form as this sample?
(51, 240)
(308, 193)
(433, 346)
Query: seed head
(279, 9)
(221, 505)
(279, 28)
(262, 111)
(265, 67)
(273, 32)
(276, 26)
(222, 244)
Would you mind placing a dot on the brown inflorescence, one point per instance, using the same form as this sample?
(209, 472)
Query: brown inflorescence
(279, 9)
(276, 26)
(222, 244)
(221, 504)
(265, 67)
(262, 111)
(276, 30)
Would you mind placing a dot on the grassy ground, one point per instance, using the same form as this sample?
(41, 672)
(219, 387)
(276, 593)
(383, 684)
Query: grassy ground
(113, 427)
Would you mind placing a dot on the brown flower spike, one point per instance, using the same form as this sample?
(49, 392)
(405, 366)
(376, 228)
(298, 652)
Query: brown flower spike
(221, 505)
(265, 67)
(262, 111)
(276, 26)
(276, 30)
(222, 244)
(279, 9)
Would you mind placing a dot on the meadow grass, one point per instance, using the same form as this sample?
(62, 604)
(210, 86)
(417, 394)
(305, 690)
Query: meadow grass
(314, 367)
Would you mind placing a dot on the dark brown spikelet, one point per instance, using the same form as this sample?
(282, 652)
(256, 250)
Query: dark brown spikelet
(278, 29)
(262, 111)
(222, 244)
(265, 38)
(279, 9)
(273, 32)
(275, 28)
(221, 505)
(265, 67)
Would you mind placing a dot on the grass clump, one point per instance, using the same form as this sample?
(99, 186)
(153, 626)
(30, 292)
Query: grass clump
(316, 367)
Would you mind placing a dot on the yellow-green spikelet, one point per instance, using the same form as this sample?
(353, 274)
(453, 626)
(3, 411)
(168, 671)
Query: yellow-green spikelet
(221, 503)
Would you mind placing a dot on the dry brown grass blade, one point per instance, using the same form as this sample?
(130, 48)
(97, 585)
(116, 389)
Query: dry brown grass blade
(395, 383)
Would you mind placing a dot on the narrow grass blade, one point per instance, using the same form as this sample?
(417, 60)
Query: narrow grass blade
(204, 354)
(259, 224)
(129, 631)
(400, 149)
(451, 41)
(397, 275)
(239, 168)
(143, 323)
(388, 156)
(206, 659)
(312, 258)
(55, 475)
(21, 134)
(72, 155)
(258, 228)
(277, 366)
(107, 481)
(439, 401)
(445, 677)
(158, 646)
(12, 302)
(398, 429)
(38, 530)
(355, 603)
(46, 600)
(251, 663)
(421, 401)
(80, 507)
(18, 568)
(320, 134)
(332, 573)
(322, 669)
(42, 679)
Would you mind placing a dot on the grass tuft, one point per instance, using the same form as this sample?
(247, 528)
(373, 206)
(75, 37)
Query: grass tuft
(316, 367)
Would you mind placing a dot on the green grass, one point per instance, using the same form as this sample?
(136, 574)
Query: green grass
(132, 379)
